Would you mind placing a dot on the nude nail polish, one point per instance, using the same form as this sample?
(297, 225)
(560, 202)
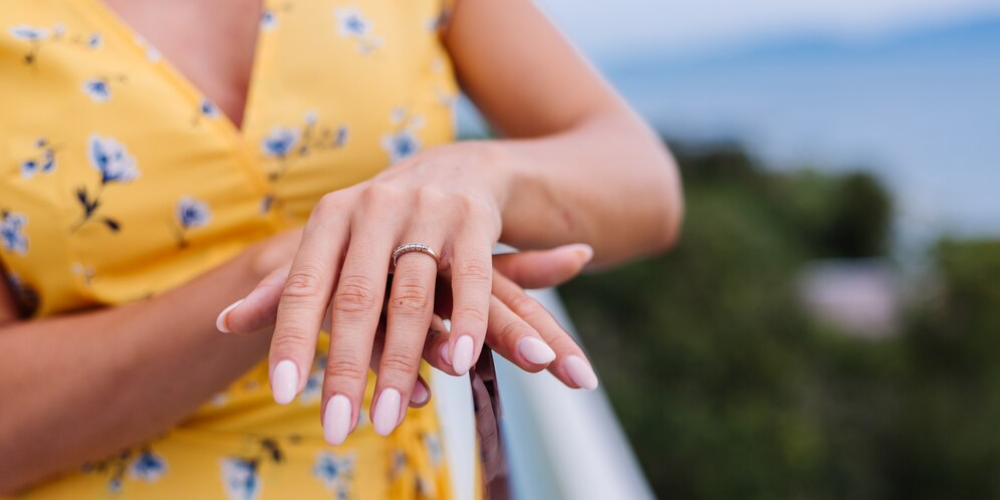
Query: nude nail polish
(581, 373)
(221, 322)
(285, 381)
(444, 354)
(420, 394)
(386, 414)
(535, 350)
(337, 419)
(462, 358)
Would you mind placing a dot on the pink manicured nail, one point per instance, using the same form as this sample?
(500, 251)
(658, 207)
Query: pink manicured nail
(444, 354)
(535, 350)
(386, 414)
(337, 419)
(221, 322)
(581, 373)
(462, 360)
(586, 251)
(285, 381)
(420, 394)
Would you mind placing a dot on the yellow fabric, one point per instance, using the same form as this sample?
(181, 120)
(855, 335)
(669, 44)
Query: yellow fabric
(120, 181)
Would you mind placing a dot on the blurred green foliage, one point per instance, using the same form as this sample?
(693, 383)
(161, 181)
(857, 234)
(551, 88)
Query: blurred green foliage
(728, 389)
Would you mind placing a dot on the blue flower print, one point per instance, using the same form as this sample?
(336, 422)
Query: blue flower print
(336, 472)
(400, 145)
(29, 33)
(37, 37)
(116, 166)
(209, 109)
(148, 467)
(241, 479)
(398, 464)
(285, 145)
(352, 24)
(152, 54)
(268, 20)
(11, 232)
(206, 109)
(191, 214)
(43, 162)
(98, 89)
(314, 383)
(128, 466)
(403, 142)
(432, 443)
(280, 142)
(111, 159)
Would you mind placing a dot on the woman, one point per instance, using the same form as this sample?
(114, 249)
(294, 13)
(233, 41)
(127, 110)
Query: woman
(167, 158)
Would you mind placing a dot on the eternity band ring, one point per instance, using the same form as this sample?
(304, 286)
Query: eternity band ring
(414, 247)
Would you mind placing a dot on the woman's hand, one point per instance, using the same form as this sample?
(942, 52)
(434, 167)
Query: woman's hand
(439, 199)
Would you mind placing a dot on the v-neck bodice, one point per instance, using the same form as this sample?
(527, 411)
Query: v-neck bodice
(121, 181)
(339, 91)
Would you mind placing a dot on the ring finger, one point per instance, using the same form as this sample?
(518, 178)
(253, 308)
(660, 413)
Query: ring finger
(411, 303)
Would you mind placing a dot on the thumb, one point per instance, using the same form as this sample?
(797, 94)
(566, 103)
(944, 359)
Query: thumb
(544, 268)
(259, 309)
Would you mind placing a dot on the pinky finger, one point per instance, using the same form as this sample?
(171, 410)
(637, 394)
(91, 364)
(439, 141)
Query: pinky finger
(571, 365)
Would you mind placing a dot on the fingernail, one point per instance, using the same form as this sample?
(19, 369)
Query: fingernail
(285, 381)
(585, 251)
(386, 411)
(420, 394)
(462, 360)
(581, 373)
(444, 354)
(221, 322)
(535, 351)
(337, 419)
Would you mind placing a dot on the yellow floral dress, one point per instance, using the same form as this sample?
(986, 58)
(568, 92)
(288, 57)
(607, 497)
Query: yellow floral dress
(121, 181)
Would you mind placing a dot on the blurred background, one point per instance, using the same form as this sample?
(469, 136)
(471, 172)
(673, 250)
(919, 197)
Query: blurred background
(829, 325)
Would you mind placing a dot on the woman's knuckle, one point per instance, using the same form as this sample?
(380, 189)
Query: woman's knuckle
(354, 294)
(430, 198)
(474, 271)
(509, 331)
(398, 361)
(471, 314)
(380, 194)
(303, 282)
(291, 340)
(522, 304)
(346, 367)
(411, 298)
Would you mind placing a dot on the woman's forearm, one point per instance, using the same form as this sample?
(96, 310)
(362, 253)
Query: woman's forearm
(84, 386)
(607, 181)
(579, 165)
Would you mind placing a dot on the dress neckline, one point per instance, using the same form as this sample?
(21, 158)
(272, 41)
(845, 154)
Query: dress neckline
(134, 40)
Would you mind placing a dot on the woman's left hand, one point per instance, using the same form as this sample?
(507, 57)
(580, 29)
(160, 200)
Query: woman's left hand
(450, 199)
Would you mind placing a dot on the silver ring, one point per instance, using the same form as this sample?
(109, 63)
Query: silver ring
(414, 247)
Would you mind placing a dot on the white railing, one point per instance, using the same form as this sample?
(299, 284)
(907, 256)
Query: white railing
(561, 444)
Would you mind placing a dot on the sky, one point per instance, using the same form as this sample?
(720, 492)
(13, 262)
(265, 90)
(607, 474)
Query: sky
(607, 28)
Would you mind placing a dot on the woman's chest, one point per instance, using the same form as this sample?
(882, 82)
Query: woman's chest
(119, 175)
(211, 43)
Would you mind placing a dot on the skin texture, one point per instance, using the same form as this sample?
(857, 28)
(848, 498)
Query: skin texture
(576, 165)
